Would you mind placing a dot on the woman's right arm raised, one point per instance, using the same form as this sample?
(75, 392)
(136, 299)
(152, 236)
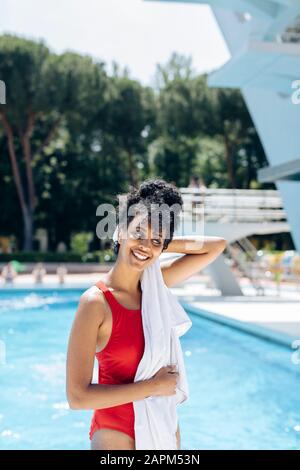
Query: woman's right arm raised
(81, 393)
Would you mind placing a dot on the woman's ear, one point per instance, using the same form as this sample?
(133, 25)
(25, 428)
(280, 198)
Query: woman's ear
(120, 235)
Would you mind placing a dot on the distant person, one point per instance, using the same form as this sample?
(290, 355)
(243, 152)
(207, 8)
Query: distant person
(202, 185)
(194, 182)
(61, 273)
(9, 273)
(39, 272)
(197, 183)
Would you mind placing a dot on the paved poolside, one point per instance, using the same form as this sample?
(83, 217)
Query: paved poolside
(280, 313)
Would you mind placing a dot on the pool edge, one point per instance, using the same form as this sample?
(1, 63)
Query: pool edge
(252, 328)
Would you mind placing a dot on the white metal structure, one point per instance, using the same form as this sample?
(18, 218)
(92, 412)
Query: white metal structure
(234, 214)
(263, 37)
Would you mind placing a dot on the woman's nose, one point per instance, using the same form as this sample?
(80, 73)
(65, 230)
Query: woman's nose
(145, 243)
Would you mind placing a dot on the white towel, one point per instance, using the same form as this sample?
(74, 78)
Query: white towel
(164, 321)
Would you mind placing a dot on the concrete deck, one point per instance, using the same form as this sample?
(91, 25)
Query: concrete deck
(279, 313)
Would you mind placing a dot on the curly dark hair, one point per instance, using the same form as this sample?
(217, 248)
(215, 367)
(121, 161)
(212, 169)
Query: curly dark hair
(152, 191)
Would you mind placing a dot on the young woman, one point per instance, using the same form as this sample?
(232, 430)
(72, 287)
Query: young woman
(108, 321)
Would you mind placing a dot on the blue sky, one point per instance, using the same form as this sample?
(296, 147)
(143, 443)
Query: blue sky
(135, 33)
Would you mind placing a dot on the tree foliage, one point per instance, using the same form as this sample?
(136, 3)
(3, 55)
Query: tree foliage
(72, 136)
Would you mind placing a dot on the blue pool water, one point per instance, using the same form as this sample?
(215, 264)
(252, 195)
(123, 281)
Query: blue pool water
(244, 391)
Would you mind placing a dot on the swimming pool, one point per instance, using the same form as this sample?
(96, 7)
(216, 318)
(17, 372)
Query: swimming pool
(244, 390)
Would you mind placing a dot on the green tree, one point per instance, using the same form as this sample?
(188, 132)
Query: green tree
(130, 119)
(210, 163)
(241, 143)
(43, 89)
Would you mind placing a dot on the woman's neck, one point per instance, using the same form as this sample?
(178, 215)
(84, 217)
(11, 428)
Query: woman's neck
(121, 277)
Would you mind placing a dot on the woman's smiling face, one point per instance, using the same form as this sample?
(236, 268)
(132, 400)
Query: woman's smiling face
(143, 244)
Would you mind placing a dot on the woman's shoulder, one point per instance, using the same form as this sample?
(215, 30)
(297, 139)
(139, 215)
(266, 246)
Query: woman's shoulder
(92, 302)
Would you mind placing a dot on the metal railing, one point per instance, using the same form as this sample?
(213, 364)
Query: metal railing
(233, 205)
(241, 206)
(247, 263)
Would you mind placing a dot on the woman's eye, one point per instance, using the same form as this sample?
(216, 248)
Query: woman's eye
(155, 241)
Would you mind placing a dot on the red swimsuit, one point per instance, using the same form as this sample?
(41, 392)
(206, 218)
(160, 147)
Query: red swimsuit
(118, 363)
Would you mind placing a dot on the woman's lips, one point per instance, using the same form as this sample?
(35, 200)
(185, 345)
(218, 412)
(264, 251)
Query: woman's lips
(139, 259)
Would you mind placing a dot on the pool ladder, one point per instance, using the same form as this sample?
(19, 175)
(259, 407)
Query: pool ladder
(242, 252)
